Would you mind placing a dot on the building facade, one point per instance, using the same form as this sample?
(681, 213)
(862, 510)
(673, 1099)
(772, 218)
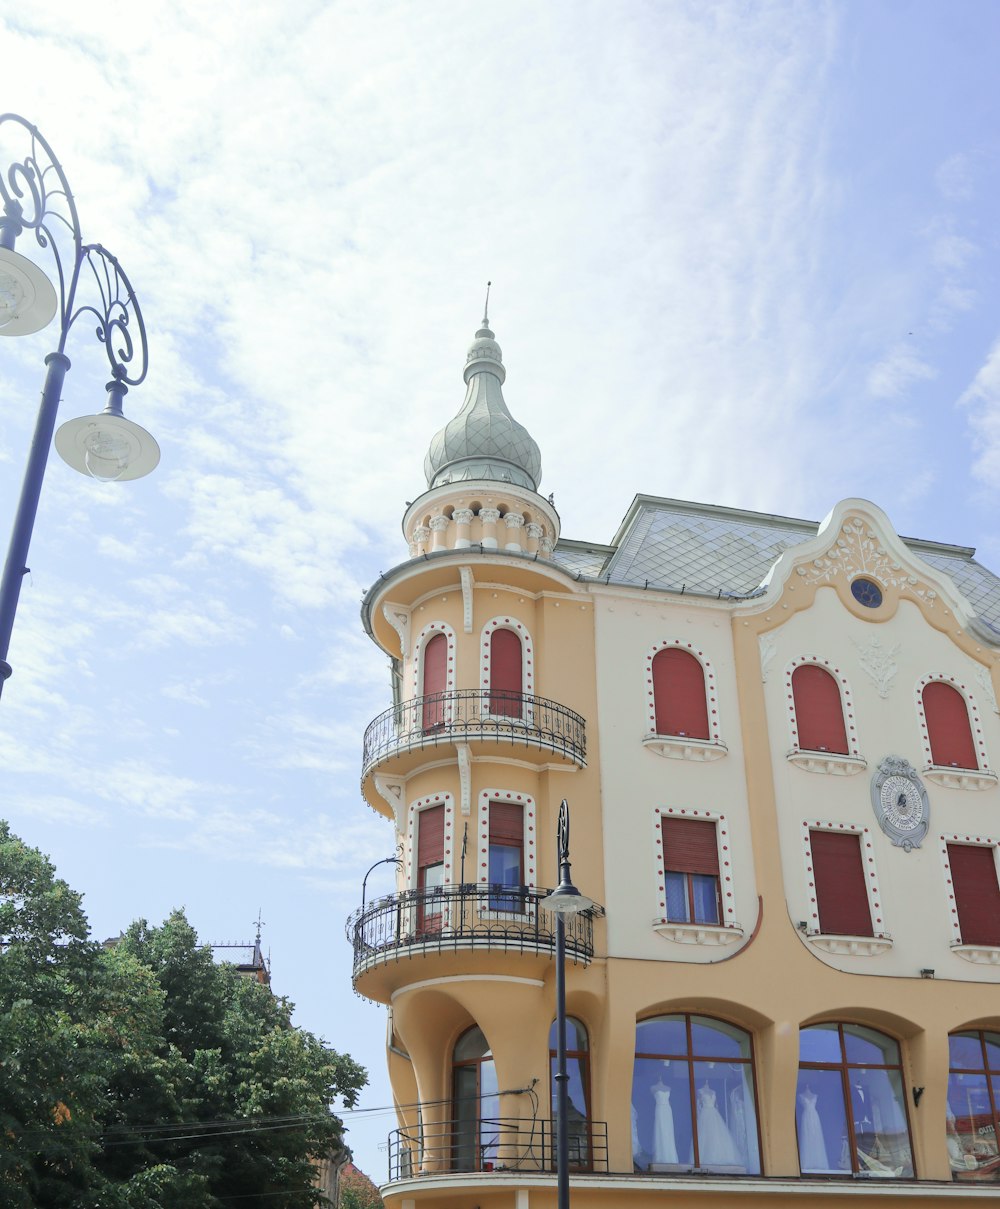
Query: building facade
(778, 740)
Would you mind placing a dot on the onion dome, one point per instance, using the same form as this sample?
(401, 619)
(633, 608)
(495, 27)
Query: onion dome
(484, 441)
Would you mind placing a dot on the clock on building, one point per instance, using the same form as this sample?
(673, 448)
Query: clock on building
(900, 802)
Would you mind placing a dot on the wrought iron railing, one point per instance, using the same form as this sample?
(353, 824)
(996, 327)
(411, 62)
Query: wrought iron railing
(470, 916)
(502, 717)
(494, 1144)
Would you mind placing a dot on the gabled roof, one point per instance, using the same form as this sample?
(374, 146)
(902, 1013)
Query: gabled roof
(678, 546)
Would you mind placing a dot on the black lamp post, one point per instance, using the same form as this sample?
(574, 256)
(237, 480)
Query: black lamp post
(386, 860)
(37, 198)
(564, 900)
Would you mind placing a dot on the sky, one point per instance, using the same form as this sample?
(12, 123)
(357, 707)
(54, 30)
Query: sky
(743, 253)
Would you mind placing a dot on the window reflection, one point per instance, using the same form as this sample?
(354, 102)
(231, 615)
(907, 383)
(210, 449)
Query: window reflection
(693, 1099)
(476, 1104)
(577, 1091)
(971, 1119)
(850, 1104)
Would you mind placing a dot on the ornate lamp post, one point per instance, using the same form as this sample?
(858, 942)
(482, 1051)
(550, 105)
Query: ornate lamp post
(37, 198)
(564, 900)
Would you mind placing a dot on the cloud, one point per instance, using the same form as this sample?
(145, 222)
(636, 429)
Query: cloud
(898, 370)
(955, 178)
(982, 400)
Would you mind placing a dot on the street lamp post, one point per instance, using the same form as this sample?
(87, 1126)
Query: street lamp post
(564, 900)
(37, 198)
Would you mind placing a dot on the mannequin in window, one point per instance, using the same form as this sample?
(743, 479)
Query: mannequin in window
(812, 1147)
(664, 1143)
(715, 1142)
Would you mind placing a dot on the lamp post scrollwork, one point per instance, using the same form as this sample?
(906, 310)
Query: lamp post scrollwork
(38, 203)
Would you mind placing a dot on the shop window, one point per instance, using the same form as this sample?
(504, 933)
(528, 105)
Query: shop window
(851, 1103)
(948, 729)
(506, 675)
(435, 679)
(691, 869)
(819, 711)
(577, 1091)
(506, 856)
(977, 894)
(693, 1097)
(475, 1104)
(839, 879)
(680, 703)
(972, 1115)
(430, 869)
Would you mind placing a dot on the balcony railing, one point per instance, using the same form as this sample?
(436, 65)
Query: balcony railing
(470, 916)
(494, 1144)
(499, 717)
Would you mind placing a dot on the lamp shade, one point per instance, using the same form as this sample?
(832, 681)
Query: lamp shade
(107, 447)
(27, 297)
(566, 899)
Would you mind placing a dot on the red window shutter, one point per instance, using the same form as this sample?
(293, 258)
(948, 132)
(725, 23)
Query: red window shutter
(506, 685)
(819, 714)
(977, 895)
(948, 727)
(506, 823)
(430, 836)
(690, 846)
(841, 891)
(435, 662)
(679, 694)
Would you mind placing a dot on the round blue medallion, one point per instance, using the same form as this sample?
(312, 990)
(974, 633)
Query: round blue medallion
(866, 593)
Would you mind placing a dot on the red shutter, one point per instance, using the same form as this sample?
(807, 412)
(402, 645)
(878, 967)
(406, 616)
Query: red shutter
(435, 661)
(506, 823)
(430, 836)
(819, 714)
(948, 727)
(690, 846)
(839, 876)
(506, 684)
(977, 895)
(679, 694)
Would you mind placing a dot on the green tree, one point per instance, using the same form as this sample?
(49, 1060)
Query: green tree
(357, 1191)
(146, 1076)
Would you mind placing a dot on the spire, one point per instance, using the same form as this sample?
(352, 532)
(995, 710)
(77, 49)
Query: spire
(484, 441)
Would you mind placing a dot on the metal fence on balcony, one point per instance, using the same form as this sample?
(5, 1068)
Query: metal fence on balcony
(501, 717)
(494, 1144)
(469, 916)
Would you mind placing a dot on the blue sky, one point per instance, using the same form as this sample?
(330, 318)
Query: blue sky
(743, 253)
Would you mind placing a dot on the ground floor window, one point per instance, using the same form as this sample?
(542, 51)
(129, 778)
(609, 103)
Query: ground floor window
(694, 1105)
(475, 1104)
(973, 1113)
(851, 1107)
(577, 1090)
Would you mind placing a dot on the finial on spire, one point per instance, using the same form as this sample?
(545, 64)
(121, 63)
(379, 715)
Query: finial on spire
(260, 924)
(486, 306)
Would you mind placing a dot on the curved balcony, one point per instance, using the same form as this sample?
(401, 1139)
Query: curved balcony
(470, 918)
(396, 740)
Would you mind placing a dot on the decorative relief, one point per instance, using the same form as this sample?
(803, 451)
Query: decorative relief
(986, 683)
(859, 551)
(465, 775)
(467, 588)
(768, 649)
(398, 616)
(879, 662)
(900, 802)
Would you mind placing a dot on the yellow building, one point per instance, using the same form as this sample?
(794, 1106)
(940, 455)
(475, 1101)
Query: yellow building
(777, 740)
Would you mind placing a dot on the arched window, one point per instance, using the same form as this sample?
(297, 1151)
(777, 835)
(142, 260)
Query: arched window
(679, 694)
(972, 1115)
(851, 1106)
(819, 713)
(475, 1103)
(435, 680)
(577, 1091)
(506, 675)
(693, 1098)
(948, 729)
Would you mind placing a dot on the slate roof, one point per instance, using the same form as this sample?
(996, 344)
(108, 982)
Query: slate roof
(703, 548)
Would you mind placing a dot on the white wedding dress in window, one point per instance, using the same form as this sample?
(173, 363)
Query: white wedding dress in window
(812, 1147)
(664, 1143)
(715, 1142)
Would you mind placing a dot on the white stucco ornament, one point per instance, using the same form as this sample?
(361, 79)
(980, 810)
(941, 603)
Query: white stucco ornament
(900, 802)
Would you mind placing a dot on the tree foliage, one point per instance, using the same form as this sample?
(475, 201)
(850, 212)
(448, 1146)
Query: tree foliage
(145, 1074)
(357, 1191)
